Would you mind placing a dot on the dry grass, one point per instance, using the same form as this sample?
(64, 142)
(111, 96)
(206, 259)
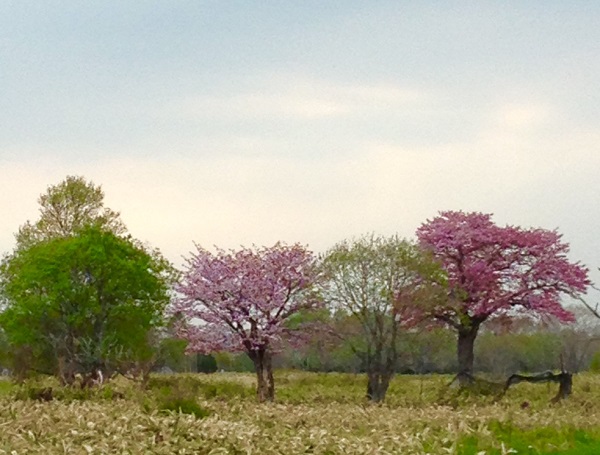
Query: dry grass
(320, 414)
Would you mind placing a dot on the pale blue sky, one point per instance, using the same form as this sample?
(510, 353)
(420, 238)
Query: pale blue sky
(243, 122)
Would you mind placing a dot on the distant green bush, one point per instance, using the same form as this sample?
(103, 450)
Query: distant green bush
(595, 363)
(206, 364)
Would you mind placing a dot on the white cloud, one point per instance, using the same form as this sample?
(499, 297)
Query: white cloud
(234, 199)
(293, 97)
(517, 116)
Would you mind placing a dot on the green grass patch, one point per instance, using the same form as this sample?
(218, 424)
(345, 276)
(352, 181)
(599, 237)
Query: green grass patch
(6, 387)
(507, 438)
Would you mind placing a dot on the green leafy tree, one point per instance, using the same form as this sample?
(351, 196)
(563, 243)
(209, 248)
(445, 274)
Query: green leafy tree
(66, 208)
(376, 281)
(77, 279)
(83, 302)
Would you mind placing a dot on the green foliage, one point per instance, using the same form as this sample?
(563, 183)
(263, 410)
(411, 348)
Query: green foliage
(171, 354)
(321, 387)
(65, 209)
(233, 362)
(184, 405)
(48, 388)
(504, 354)
(206, 363)
(595, 364)
(6, 387)
(179, 395)
(429, 350)
(90, 299)
(227, 390)
(375, 285)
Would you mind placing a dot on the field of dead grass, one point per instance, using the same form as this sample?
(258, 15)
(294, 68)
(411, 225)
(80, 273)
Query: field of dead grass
(314, 413)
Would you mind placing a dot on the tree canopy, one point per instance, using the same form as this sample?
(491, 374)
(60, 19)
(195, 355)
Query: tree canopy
(493, 270)
(78, 293)
(83, 302)
(377, 281)
(242, 299)
(66, 208)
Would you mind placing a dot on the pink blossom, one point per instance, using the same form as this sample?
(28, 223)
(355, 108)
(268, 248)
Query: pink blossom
(492, 269)
(240, 300)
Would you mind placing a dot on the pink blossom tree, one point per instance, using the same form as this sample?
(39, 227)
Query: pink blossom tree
(493, 271)
(239, 301)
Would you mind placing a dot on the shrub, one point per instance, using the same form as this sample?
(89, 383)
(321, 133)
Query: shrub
(185, 405)
(206, 364)
(176, 394)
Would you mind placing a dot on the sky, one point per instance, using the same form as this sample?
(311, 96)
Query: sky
(234, 123)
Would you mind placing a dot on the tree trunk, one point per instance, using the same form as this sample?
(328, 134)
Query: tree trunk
(377, 386)
(381, 357)
(265, 384)
(466, 345)
(380, 369)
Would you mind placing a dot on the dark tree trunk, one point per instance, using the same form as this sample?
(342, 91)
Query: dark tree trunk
(377, 386)
(381, 356)
(265, 384)
(565, 388)
(466, 345)
(380, 368)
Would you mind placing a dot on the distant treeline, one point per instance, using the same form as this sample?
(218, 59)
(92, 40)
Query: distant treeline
(575, 349)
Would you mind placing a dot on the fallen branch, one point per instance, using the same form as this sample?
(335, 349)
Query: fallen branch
(564, 378)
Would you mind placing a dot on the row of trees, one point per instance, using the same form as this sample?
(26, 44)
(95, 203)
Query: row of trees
(463, 271)
(80, 294)
(528, 346)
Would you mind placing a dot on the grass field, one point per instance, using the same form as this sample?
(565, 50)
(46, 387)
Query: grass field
(313, 413)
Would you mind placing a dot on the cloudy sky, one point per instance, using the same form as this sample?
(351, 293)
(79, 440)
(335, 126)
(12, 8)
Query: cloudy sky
(240, 122)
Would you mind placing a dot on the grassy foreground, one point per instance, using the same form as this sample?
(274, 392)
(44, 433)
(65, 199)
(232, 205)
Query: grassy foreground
(314, 413)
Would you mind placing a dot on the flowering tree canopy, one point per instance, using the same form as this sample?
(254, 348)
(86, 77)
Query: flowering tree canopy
(240, 300)
(493, 269)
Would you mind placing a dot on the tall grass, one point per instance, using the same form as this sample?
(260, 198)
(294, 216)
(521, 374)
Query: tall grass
(313, 413)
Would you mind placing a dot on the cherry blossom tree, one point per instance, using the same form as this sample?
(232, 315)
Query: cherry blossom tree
(241, 300)
(493, 271)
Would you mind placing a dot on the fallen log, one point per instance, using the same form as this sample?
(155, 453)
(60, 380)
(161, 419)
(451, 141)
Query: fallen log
(564, 379)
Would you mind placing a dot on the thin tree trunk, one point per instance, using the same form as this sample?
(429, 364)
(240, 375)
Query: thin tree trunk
(466, 345)
(269, 376)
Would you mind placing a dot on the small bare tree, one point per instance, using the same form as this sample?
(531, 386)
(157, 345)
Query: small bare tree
(374, 280)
